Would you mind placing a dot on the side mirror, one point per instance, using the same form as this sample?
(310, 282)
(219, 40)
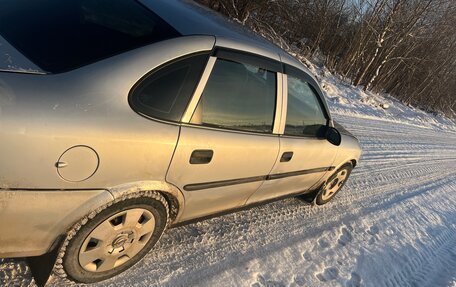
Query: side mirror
(333, 136)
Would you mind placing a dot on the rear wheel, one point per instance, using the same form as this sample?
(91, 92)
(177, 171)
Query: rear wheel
(334, 184)
(115, 239)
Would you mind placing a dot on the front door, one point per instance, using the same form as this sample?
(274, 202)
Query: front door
(305, 155)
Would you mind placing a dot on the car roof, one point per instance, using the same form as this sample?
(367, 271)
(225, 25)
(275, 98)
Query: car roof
(190, 18)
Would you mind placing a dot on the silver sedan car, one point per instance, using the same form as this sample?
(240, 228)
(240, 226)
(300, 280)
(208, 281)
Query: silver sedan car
(120, 119)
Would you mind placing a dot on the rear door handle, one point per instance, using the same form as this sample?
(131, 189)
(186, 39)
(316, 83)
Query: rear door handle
(286, 156)
(201, 156)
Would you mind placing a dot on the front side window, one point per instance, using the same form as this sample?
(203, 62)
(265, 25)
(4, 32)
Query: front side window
(165, 93)
(238, 96)
(305, 116)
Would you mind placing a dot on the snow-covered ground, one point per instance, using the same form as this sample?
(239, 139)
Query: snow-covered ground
(394, 223)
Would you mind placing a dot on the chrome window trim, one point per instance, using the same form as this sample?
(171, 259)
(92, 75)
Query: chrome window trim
(283, 119)
(279, 104)
(199, 90)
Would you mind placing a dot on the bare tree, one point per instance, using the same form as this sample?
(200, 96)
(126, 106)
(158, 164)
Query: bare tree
(404, 47)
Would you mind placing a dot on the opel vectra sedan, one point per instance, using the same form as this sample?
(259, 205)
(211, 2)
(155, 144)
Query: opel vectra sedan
(119, 119)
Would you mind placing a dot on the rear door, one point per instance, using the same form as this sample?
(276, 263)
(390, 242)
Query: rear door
(305, 155)
(228, 146)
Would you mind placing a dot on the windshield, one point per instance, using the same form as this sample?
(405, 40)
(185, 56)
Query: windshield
(59, 35)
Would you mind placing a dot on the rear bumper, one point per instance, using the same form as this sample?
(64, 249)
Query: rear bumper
(31, 220)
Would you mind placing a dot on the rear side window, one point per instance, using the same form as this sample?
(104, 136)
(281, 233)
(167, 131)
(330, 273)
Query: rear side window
(305, 116)
(60, 35)
(238, 96)
(165, 93)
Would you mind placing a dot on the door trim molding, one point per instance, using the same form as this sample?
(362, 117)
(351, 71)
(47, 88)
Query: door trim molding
(223, 183)
(299, 172)
(214, 184)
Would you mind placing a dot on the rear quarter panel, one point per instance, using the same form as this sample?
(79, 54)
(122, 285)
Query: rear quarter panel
(41, 116)
(32, 220)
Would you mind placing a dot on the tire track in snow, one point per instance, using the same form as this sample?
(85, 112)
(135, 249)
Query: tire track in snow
(285, 222)
(400, 197)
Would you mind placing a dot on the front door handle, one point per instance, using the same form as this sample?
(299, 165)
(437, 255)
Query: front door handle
(201, 156)
(286, 156)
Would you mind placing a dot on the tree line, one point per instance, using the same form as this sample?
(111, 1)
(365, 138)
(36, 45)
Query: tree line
(406, 48)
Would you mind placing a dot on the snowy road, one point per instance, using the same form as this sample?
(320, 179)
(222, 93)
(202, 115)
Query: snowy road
(394, 224)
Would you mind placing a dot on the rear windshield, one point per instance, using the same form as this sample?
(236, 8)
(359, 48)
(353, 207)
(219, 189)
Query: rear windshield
(61, 35)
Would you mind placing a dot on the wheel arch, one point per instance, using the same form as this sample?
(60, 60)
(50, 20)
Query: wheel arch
(171, 193)
(353, 162)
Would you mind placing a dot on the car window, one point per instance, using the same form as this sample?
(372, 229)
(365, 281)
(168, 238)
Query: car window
(305, 116)
(238, 96)
(165, 93)
(61, 35)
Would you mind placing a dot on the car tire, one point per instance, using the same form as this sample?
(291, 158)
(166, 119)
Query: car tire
(113, 239)
(333, 185)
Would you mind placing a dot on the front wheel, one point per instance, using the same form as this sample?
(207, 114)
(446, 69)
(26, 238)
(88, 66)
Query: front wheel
(115, 239)
(333, 185)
